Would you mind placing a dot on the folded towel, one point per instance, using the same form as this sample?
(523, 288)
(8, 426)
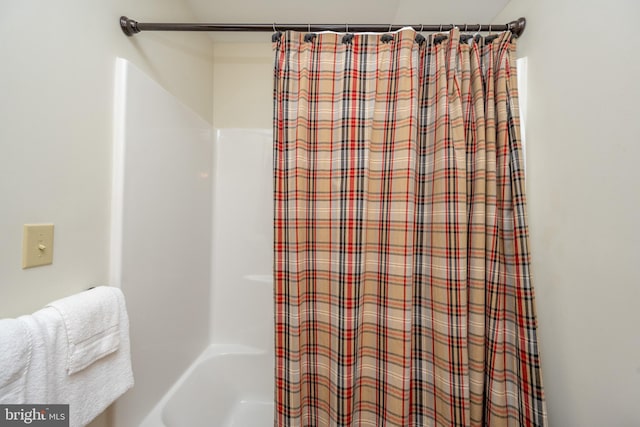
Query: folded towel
(90, 390)
(15, 356)
(92, 320)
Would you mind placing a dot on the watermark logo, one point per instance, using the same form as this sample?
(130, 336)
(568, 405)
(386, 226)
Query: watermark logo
(34, 415)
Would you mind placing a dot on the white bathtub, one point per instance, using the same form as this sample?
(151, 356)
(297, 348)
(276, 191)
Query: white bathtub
(227, 386)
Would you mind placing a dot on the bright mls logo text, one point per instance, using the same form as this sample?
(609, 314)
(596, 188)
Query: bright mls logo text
(39, 415)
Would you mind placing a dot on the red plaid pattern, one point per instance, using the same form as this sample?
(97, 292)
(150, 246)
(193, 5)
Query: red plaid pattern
(402, 288)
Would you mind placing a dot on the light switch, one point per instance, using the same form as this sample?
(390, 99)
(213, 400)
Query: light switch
(37, 245)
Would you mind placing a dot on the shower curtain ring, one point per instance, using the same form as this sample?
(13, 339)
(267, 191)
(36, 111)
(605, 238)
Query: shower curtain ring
(309, 27)
(421, 27)
(465, 27)
(440, 28)
(274, 28)
(389, 28)
(347, 28)
(477, 33)
(490, 29)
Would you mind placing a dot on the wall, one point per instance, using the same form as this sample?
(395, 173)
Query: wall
(56, 113)
(582, 143)
(243, 84)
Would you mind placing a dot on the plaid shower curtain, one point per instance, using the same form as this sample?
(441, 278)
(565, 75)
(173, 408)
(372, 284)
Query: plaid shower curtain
(403, 294)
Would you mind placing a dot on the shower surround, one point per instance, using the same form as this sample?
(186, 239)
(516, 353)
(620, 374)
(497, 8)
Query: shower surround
(192, 251)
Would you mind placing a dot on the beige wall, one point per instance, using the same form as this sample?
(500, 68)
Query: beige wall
(243, 84)
(56, 90)
(583, 146)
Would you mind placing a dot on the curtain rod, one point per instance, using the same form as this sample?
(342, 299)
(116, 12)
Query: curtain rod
(130, 27)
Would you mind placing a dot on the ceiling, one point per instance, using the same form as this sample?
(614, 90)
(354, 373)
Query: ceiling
(348, 11)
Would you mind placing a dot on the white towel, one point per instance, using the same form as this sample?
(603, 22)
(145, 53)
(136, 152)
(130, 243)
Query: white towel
(15, 357)
(92, 322)
(90, 390)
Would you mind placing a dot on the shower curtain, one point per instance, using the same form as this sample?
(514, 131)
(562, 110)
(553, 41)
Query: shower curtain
(403, 294)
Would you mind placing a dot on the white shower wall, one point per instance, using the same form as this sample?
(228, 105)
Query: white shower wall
(191, 249)
(160, 234)
(242, 289)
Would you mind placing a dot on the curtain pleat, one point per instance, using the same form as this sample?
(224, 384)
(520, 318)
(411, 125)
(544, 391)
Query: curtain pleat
(402, 288)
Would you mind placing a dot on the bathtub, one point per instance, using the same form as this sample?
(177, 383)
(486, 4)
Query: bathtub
(227, 386)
